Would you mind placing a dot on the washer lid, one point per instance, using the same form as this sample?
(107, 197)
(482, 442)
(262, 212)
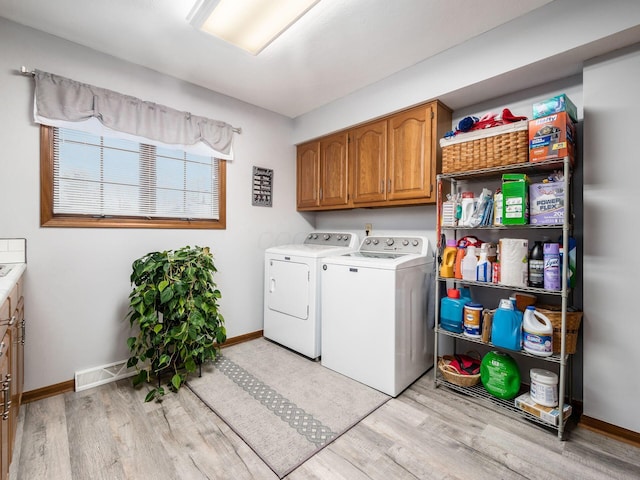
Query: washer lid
(310, 251)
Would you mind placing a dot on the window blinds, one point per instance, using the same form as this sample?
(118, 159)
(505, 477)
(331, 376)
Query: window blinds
(103, 176)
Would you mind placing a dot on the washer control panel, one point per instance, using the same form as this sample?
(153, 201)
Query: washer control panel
(398, 245)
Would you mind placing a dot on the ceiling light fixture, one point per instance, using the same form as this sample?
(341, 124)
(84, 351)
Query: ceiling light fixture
(248, 24)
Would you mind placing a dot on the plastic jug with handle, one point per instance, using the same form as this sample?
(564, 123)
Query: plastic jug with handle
(506, 328)
(452, 310)
(447, 268)
(537, 333)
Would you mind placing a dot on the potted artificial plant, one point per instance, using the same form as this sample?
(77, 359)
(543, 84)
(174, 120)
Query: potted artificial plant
(174, 306)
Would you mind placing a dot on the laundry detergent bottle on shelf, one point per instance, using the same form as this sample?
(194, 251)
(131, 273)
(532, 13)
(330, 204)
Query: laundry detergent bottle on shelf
(537, 333)
(447, 267)
(506, 328)
(500, 375)
(452, 310)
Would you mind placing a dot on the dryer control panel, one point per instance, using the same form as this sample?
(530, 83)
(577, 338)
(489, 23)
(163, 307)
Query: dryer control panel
(337, 239)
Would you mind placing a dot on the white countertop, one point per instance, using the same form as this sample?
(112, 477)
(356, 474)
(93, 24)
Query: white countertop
(10, 279)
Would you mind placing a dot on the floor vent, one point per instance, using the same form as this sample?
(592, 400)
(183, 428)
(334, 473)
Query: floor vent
(92, 377)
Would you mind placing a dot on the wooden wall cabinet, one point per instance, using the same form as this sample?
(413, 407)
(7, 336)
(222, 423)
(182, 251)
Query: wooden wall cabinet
(323, 173)
(391, 161)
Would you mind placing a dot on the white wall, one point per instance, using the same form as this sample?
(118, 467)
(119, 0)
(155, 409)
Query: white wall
(77, 280)
(611, 326)
(543, 46)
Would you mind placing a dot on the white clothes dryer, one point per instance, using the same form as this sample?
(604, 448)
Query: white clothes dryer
(292, 289)
(374, 312)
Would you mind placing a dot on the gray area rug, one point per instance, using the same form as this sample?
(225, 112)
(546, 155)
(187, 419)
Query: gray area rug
(284, 406)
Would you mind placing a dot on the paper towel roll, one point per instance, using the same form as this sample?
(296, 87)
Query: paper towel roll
(514, 253)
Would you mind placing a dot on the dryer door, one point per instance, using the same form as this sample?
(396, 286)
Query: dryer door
(288, 288)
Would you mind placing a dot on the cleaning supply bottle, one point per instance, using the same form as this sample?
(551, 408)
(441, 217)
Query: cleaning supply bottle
(460, 253)
(483, 269)
(447, 267)
(469, 264)
(452, 309)
(506, 330)
(468, 207)
(552, 275)
(536, 265)
(571, 266)
(537, 333)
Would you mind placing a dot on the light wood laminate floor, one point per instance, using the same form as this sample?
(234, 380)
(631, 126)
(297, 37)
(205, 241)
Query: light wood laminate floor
(108, 432)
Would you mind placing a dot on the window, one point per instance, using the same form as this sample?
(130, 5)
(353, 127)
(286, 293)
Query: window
(93, 181)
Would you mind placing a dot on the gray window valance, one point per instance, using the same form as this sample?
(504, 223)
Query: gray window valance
(63, 102)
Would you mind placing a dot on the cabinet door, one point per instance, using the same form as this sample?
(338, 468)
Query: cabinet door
(410, 171)
(308, 175)
(334, 170)
(5, 430)
(16, 332)
(369, 161)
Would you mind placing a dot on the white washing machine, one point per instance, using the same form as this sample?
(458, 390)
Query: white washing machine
(374, 312)
(291, 297)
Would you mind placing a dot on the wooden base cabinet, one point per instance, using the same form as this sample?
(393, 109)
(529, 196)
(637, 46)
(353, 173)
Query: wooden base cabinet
(391, 161)
(12, 330)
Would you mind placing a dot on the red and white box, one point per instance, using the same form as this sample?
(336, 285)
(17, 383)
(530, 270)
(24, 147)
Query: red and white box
(552, 137)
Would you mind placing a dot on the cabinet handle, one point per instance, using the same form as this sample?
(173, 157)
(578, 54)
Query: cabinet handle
(23, 328)
(2, 345)
(389, 189)
(6, 390)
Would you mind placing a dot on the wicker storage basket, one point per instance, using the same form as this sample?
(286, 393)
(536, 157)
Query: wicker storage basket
(554, 313)
(452, 376)
(487, 148)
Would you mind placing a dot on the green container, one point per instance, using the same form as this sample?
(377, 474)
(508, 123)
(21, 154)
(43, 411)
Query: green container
(515, 199)
(500, 375)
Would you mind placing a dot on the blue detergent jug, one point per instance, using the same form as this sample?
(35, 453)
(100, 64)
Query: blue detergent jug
(452, 309)
(506, 329)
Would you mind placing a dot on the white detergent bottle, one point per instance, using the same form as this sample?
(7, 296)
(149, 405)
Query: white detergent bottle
(537, 333)
(469, 264)
(483, 269)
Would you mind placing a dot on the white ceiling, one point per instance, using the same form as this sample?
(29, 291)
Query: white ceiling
(338, 47)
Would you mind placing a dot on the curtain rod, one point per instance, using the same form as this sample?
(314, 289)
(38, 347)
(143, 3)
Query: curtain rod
(25, 71)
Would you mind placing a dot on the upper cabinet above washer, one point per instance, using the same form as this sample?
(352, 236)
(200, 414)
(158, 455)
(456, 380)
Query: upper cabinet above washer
(392, 161)
(323, 173)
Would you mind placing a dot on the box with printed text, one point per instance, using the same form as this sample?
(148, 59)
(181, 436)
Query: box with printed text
(515, 199)
(552, 137)
(559, 103)
(546, 203)
(547, 414)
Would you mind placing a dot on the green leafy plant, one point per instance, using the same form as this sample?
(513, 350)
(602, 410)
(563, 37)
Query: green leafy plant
(174, 307)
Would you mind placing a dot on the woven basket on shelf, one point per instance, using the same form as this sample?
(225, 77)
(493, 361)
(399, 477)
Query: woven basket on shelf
(488, 148)
(554, 313)
(452, 376)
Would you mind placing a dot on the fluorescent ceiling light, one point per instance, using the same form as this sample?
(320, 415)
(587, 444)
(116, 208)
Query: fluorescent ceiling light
(249, 24)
